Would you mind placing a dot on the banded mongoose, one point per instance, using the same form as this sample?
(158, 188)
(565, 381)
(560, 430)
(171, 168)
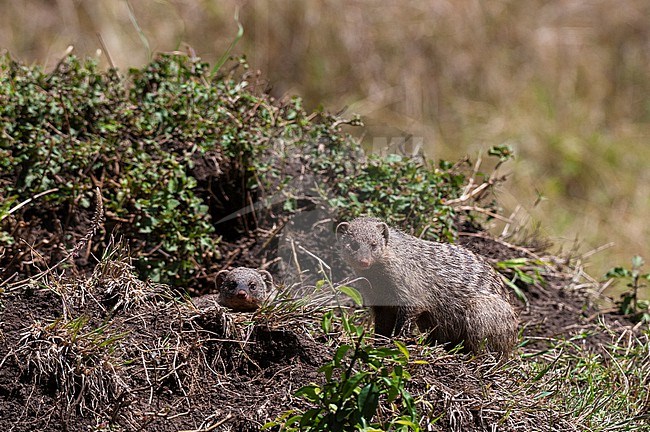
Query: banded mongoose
(243, 289)
(447, 289)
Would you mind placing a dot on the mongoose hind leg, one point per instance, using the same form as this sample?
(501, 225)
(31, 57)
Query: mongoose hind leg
(492, 326)
(386, 318)
(400, 320)
(436, 334)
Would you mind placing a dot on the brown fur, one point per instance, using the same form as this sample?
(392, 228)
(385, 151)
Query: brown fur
(447, 289)
(243, 289)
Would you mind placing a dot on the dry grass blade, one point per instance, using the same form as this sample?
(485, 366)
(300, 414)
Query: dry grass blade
(84, 242)
(86, 364)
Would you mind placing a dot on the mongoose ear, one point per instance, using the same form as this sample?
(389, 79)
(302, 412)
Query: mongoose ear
(267, 277)
(221, 276)
(383, 228)
(341, 229)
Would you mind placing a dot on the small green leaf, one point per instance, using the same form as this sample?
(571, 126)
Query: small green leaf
(340, 353)
(326, 322)
(310, 392)
(503, 152)
(618, 272)
(513, 264)
(402, 349)
(353, 293)
(351, 384)
(544, 394)
(408, 423)
(518, 292)
(307, 417)
(368, 400)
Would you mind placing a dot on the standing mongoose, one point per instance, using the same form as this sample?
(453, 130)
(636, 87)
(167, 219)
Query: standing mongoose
(447, 289)
(243, 289)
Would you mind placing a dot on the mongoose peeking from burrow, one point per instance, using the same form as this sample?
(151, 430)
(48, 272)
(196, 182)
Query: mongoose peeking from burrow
(447, 289)
(243, 289)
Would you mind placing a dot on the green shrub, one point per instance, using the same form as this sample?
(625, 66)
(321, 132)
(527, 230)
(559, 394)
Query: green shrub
(357, 379)
(630, 304)
(176, 151)
(402, 192)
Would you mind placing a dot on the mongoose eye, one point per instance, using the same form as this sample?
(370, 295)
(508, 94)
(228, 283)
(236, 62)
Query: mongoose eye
(354, 246)
(373, 245)
(252, 286)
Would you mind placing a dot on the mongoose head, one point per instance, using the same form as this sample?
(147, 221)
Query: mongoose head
(243, 289)
(362, 241)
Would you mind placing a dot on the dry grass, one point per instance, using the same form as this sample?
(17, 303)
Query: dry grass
(565, 83)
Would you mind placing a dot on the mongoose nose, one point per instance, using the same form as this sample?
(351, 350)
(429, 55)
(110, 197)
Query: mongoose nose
(242, 294)
(364, 263)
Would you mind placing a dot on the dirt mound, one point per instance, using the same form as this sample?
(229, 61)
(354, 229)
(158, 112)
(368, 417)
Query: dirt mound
(112, 349)
(109, 349)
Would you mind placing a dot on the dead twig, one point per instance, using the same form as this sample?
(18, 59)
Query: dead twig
(27, 201)
(505, 243)
(485, 211)
(94, 226)
(212, 427)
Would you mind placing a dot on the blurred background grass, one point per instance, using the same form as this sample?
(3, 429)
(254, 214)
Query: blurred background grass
(565, 83)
